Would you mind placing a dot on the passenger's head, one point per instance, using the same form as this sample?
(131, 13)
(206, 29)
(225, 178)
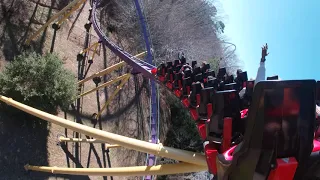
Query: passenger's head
(203, 64)
(239, 71)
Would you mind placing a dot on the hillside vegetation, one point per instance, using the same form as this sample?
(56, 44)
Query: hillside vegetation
(190, 26)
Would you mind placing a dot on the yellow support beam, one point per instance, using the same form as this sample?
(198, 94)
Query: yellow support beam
(89, 48)
(53, 18)
(126, 142)
(165, 169)
(112, 96)
(107, 70)
(109, 146)
(95, 46)
(64, 139)
(95, 50)
(74, 8)
(103, 72)
(140, 54)
(120, 78)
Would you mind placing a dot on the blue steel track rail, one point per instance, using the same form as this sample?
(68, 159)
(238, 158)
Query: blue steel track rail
(154, 116)
(138, 65)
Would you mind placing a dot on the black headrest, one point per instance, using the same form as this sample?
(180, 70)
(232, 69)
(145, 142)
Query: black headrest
(221, 73)
(318, 92)
(187, 73)
(221, 86)
(187, 81)
(229, 79)
(276, 77)
(169, 64)
(205, 68)
(231, 86)
(212, 82)
(183, 60)
(241, 78)
(198, 77)
(211, 73)
(196, 88)
(178, 76)
(225, 104)
(228, 101)
(196, 70)
(177, 68)
(193, 63)
(176, 62)
(169, 72)
(207, 94)
(160, 69)
(250, 85)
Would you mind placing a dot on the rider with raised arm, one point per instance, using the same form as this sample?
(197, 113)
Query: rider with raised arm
(261, 74)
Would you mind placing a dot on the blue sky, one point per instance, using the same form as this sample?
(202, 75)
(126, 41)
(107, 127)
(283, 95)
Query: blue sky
(290, 27)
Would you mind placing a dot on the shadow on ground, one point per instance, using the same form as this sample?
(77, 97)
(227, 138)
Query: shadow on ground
(23, 141)
(15, 27)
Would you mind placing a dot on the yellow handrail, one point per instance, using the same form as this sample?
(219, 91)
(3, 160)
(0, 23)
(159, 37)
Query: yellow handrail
(64, 139)
(165, 169)
(126, 142)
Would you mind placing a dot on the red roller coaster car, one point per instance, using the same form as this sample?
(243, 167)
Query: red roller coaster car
(269, 133)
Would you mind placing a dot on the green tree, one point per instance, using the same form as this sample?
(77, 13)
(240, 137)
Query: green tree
(214, 63)
(183, 133)
(220, 26)
(39, 81)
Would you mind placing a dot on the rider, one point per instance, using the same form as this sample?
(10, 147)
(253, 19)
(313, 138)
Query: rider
(261, 74)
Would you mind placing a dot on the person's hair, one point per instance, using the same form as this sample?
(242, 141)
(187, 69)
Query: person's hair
(239, 71)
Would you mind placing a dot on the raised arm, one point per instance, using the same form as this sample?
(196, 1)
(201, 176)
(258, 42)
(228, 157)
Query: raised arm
(261, 74)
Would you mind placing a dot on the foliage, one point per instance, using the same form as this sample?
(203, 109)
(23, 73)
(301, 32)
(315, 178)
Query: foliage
(190, 26)
(220, 26)
(183, 133)
(38, 81)
(214, 64)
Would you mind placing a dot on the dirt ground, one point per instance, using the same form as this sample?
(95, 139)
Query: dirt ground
(22, 142)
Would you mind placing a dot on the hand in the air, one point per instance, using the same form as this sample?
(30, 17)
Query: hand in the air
(264, 53)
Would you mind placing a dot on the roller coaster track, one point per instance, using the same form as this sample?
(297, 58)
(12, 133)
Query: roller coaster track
(140, 66)
(154, 120)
